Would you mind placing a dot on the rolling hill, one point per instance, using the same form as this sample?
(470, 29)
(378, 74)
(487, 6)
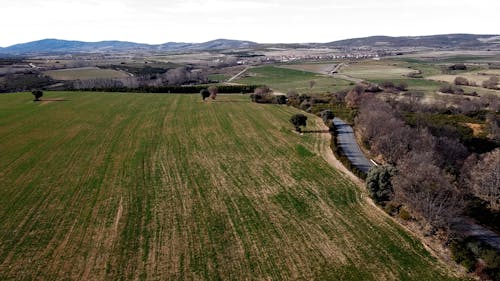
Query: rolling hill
(432, 41)
(447, 41)
(50, 46)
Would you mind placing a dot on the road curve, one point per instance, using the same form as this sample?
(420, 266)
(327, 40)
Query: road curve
(347, 141)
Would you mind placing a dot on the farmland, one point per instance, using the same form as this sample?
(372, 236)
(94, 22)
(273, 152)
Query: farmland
(84, 73)
(158, 187)
(477, 77)
(282, 79)
(375, 70)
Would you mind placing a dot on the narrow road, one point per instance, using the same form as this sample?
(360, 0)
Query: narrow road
(469, 228)
(347, 142)
(335, 73)
(238, 75)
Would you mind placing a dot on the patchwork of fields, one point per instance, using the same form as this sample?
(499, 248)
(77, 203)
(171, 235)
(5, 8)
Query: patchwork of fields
(477, 77)
(282, 79)
(374, 71)
(158, 187)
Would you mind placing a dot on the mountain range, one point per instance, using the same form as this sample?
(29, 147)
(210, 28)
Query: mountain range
(55, 46)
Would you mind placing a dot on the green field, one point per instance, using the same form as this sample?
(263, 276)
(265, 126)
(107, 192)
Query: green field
(85, 73)
(282, 79)
(165, 187)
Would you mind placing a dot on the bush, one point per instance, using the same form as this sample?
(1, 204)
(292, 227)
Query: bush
(262, 95)
(373, 88)
(38, 94)
(491, 83)
(298, 120)
(451, 89)
(378, 183)
(492, 260)
(458, 66)
(402, 86)
(404, 214)
(204, 94)
(391, 208)
(468, 251)
(461, 81)
(461, 254)
(280, 99)
(387, 84)
(326, 115)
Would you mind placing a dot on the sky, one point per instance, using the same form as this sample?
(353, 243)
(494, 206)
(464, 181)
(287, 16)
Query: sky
(263, 21)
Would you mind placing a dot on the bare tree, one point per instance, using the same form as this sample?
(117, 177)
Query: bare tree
(354, 97)
(426, 189)
(461, 81)
(213, 90)
(312, 83)
(491, 83)
(485, 179)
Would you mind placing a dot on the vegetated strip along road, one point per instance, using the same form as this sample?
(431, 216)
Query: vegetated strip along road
(463, 226)
(347, 142)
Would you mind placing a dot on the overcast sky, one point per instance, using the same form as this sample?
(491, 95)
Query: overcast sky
(263, 21)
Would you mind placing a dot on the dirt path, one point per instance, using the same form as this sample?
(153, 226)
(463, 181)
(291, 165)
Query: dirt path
(239, 74)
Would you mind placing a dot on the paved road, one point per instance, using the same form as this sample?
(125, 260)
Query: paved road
(469, 228)
(347, 142)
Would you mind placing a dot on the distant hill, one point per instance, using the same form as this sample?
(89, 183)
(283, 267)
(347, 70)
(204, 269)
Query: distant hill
(432, 41)
(55, 46)
(51, 46)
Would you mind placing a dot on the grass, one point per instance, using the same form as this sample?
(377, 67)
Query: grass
(375, 70)
(284, 79)
(85, 73)
(148, 187)
(477, 76)
(219, 77)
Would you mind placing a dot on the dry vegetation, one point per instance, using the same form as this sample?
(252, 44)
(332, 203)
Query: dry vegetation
(375, 70)
(85, 73)
(477, 77)
(149, 187)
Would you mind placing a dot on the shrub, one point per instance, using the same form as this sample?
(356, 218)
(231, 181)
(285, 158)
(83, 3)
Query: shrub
(298, 120)
(373, 88)
(404, 214)
(391, 208)
(491, 83)
(461, 81)
(492, 260)
(458, 66)
(262, 95)
(280, 99)
(213, 90)
(378, 183)
(204, 94)
(461, 254)
(451, 89)
(387, 84)
(326, 115)
(402, 86)
(38, 94)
